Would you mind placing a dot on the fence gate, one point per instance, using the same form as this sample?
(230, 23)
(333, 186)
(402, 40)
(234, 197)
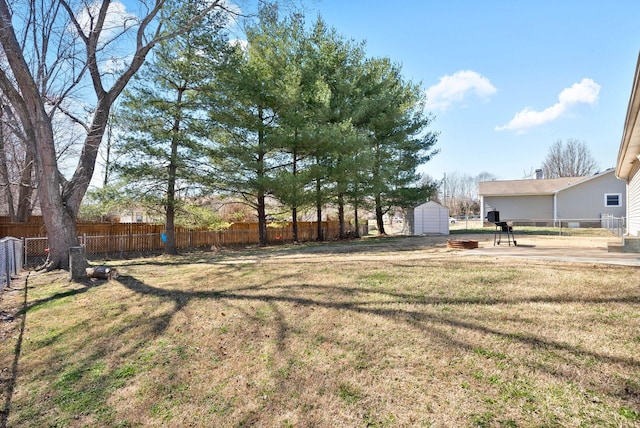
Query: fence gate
(10, 260)
(614, 224)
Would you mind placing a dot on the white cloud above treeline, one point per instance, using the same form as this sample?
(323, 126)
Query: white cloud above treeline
(584, 92)
(117, 20)
(458, 87)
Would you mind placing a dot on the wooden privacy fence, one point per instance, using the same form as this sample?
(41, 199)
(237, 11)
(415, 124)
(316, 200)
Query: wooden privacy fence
(120, 239)
(276, 231)
(36, 229)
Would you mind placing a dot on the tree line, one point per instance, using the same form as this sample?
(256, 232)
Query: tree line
(297, 114)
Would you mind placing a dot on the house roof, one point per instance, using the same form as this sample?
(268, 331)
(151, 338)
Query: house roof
(540, 187)
(630, 144)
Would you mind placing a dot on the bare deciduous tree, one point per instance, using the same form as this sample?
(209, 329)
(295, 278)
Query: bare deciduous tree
(572, 159)
(62, 57)
(460, 192)
(16, 166)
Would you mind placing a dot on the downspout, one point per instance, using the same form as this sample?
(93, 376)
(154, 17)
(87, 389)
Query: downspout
(555, 208)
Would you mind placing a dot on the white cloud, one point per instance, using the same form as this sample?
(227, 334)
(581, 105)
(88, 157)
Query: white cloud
(242, 44)
(584, 92)
(115, 65)
(117, 20)
(455, 88)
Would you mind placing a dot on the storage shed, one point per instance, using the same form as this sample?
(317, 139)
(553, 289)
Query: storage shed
(429, 218)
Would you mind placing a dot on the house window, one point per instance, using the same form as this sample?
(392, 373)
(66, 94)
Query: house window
(138, 217)
(613, 199)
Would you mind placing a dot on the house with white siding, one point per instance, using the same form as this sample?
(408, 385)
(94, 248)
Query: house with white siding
(628, 166)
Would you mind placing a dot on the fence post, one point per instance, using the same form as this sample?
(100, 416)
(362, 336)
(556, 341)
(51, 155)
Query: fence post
(24, 251)
(20, 264)
(6, 263)
(14, 265)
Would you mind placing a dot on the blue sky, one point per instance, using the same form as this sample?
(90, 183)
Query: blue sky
(505, 79)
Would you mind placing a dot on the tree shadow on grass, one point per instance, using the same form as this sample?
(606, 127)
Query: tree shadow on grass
(442, 326)
(81, 288)
(418, 314)
(417, 319)
(8, 382)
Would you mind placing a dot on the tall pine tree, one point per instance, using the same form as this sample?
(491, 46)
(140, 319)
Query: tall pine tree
(395, 120)
(162, 119)
(244, 104)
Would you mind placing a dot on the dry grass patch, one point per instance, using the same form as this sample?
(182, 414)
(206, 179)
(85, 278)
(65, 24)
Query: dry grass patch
(333, 335)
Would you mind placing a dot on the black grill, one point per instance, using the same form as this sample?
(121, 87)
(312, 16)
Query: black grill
(501, 226)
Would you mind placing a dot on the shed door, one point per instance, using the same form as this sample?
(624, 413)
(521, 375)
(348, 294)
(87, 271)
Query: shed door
(432, 219)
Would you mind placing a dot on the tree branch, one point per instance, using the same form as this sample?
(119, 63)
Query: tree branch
(73, 117)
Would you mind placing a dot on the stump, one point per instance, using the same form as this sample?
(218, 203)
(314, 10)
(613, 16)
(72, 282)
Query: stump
(462, 244)
(77, 263)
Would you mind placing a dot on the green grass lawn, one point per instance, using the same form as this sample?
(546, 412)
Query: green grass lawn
(368, 333)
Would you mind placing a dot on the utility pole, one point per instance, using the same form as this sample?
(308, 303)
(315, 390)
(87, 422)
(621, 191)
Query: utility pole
(444, 190)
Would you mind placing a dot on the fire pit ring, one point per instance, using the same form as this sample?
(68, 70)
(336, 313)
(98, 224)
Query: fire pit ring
(462, 244)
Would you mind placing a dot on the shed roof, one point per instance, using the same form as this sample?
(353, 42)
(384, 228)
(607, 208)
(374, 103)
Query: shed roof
(431, 203)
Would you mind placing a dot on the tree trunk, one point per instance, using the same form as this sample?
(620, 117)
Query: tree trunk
(343, 233)
(60, 201)
(356, 205)
(294, 224)
(170, 212)
(61, 230)
(170, 232)
(107, 155)
(357, 222)
(294, 209)
(58, 216)
(263, 238)
(379, 215)
(320, 236)
(5, 180)
(25, 185)
(26, 188)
